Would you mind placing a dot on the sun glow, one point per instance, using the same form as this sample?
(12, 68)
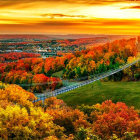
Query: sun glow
(64, 16)
(112, 11)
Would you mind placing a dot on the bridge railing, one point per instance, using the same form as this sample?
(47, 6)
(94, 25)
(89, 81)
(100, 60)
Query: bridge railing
(79, 84)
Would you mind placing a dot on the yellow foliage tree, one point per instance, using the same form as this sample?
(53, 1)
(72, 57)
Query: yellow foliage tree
(20, 124)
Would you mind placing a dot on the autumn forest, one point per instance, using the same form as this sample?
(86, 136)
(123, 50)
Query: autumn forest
(24, 75)
(69, 69)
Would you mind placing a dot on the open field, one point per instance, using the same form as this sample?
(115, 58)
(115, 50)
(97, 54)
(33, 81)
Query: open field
(58, 74)
(127, 92)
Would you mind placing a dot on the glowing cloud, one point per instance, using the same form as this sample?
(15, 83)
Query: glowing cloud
(70, 16)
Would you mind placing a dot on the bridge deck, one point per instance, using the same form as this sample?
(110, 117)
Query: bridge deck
(83, 83)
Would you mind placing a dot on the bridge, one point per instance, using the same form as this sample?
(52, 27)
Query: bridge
(42, 97)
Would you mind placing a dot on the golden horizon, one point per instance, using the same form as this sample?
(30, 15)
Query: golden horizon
(70, 17)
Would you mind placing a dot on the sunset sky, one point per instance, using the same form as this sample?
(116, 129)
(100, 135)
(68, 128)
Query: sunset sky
(70, 16)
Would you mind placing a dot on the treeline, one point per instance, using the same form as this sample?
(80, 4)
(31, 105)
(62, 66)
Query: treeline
(34, 73)
(100, 59)
(16, 56)
(78, 42)
(80, 64)
(20, 118)
(129, 74)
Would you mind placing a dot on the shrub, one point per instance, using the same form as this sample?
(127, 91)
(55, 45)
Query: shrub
(70, 119)
(18, 123)
(115, 119)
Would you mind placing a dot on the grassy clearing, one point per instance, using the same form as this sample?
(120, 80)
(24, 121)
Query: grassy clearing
(58, 74)
(127, 92)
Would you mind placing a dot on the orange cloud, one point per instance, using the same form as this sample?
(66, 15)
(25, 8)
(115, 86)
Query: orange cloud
(69, 16)
(98, 26)
(63, 15)
(132, 7)
(7, 3)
